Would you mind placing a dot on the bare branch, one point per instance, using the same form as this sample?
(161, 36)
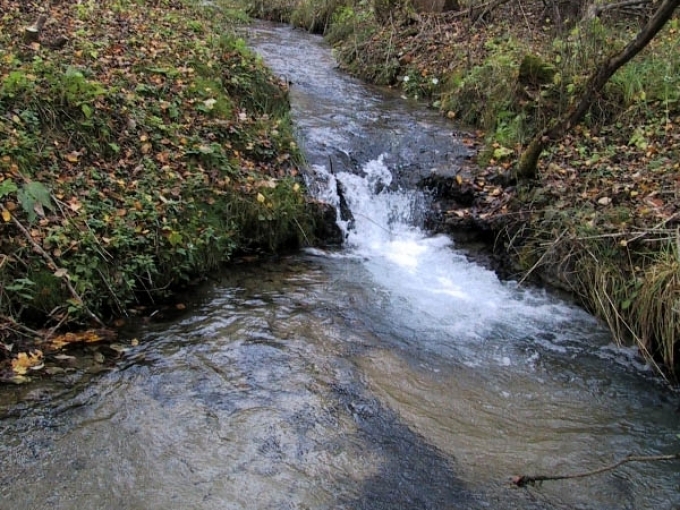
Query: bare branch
(524, 480)
(594, 10)
(52, 265)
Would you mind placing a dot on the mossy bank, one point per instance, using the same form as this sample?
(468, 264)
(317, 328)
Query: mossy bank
(141, 144)
(601, 219)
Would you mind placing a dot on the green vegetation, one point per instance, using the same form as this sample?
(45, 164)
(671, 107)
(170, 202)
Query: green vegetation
(602, 219)
(149, 148)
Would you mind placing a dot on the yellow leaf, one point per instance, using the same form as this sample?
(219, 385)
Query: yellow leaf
(86, 337)
(24, 361)
(6, 216)
(72, 157)
(260, 198)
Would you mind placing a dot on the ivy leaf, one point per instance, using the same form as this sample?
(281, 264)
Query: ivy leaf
(33, 196)
(6, 187)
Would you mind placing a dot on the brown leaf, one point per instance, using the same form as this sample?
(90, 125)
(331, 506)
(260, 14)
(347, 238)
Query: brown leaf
(89, 336)
(27, 360)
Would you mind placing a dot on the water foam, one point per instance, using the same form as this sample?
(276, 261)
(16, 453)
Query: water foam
(427, 280)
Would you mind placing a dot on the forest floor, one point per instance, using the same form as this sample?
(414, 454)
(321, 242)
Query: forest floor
(620, 176)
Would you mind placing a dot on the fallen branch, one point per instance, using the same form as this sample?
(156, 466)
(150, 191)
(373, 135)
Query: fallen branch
(595, 10)
(474, 12)
(481, 13)
(524, 480)
(52, 265)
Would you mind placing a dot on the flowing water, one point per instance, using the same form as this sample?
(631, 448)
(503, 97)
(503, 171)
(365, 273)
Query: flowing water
(391, 374)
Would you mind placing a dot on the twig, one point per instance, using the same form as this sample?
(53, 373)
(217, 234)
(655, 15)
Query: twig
(524, 480)
(21, 327)
(52, 265)
(658, 227)
(121, 309)
(538, 262)
(302, 230)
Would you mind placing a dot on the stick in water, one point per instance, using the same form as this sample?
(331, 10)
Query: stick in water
(524, 480)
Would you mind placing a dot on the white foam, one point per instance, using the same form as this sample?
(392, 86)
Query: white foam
(427, 281)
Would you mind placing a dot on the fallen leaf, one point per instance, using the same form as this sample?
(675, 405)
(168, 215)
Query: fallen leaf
(72, 157)
(61, 273)
(26, 360)
(89, 336)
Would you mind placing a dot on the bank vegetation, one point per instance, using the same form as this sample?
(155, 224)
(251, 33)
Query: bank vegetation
(142, 145)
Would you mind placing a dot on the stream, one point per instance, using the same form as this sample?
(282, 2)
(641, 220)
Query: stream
(394, 373)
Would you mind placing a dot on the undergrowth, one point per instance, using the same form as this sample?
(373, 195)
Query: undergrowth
(151, 148)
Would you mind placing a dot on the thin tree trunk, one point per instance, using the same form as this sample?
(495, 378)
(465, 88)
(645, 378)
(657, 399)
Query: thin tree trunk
(32, 33)
(526, 167)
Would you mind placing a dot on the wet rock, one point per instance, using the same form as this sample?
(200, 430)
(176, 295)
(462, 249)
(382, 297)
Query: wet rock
(326, 231)
(345, 211)
(447, 187)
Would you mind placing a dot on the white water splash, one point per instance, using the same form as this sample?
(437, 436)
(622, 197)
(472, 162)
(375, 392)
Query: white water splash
(428, 282)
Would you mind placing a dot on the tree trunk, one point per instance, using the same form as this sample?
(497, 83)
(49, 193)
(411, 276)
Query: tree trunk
(526, 167)
(32, 33)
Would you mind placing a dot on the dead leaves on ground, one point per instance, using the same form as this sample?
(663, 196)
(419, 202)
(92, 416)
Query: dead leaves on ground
(47, 355)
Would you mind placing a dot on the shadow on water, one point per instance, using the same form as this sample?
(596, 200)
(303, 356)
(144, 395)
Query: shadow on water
(412, 474)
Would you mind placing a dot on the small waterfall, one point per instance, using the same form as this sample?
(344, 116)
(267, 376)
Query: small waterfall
(428, 282)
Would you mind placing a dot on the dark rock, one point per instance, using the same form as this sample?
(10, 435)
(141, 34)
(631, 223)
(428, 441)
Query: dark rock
(326, 231)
